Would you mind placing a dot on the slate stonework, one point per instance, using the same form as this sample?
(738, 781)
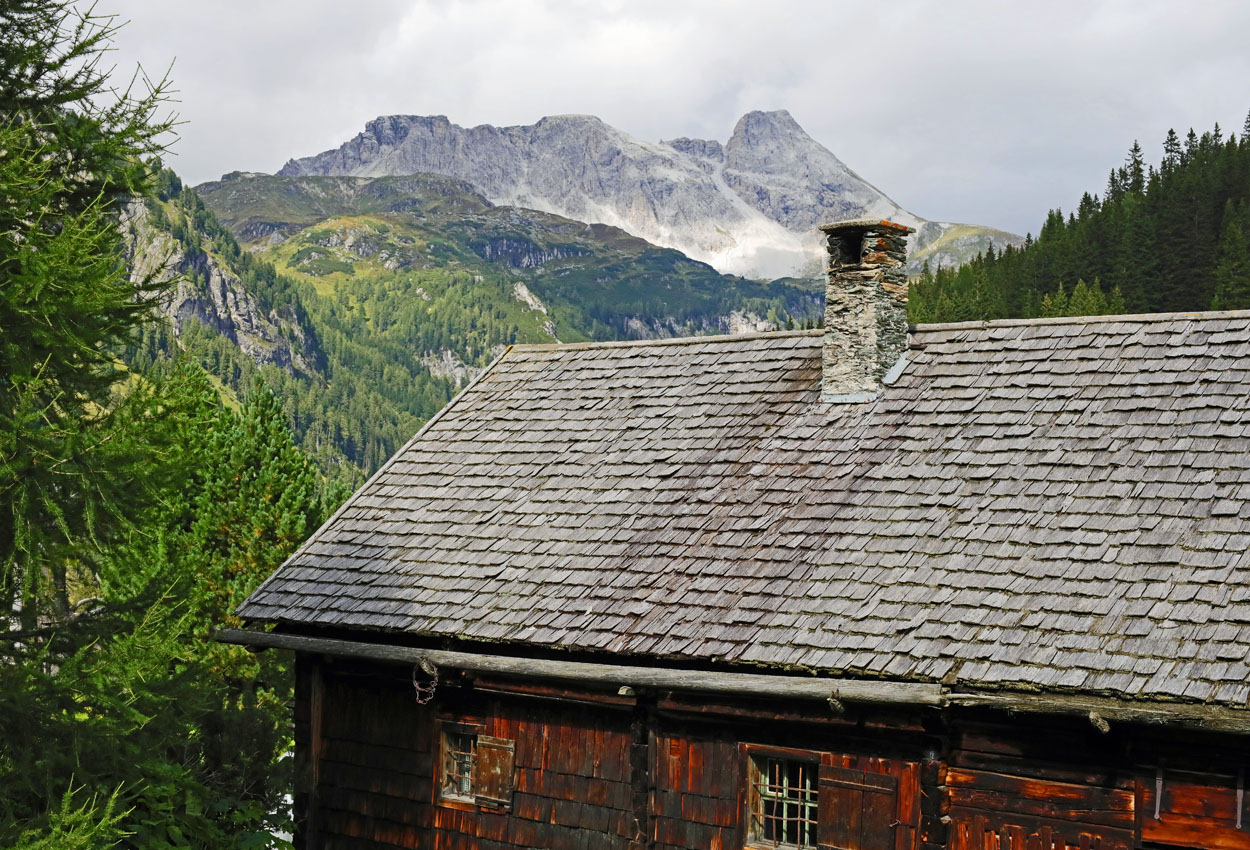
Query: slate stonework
(866, 330)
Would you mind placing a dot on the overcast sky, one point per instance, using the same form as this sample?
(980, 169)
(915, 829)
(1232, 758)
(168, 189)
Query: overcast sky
(990, 113)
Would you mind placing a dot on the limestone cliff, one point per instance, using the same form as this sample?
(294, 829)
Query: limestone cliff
(206, 291)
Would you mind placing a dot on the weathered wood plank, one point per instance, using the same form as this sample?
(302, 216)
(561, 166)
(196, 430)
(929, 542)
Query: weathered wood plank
(750, 684)
(1215, 718)
(976, 829)
(1194, 813)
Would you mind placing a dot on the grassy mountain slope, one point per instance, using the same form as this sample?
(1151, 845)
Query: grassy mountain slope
(596, 282)
(945, 246)
(365, 303)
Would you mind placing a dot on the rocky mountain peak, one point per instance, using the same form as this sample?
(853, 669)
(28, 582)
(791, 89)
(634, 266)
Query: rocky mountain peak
(572, 120)
(747, 207)
(708, 149)
(758, 128)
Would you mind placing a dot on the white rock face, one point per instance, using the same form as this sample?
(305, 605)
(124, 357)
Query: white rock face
(747, 207)
(523, 294)
(206, 292)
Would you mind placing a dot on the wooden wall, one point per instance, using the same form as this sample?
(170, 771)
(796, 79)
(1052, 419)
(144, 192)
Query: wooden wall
(1036, 784)
(1047, 789)
(600, 771)
(375, 767)
(701, 762)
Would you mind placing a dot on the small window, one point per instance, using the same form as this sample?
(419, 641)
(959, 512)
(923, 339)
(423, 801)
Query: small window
(459, 756)
(475, 768)
(784, 803)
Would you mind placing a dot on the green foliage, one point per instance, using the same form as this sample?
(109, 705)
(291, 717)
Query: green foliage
(1232, 271)
(136, 510)
(312, 261)
(1087, 299)
(93, 824)
(1171, 238)
(72, 150)
(167, 738)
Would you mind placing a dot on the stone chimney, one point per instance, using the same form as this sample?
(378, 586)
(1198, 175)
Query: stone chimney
(865, 308)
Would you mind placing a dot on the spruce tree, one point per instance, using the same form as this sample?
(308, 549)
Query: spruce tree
(1087, 300)
(1136, 172)
(1232, 271)
(1171, 151)
(1055, 304)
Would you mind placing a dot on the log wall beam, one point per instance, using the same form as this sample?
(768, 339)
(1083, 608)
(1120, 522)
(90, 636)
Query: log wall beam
(1211, 718)
(612, 675)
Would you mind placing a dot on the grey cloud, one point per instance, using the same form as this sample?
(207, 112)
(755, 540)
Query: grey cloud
(983, 112)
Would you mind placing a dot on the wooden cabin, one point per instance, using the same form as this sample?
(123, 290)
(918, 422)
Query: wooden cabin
(874, 586)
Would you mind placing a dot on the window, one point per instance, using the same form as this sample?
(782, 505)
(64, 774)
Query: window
(804, 800)
(784, 802)
(475, 769)
(459, 752)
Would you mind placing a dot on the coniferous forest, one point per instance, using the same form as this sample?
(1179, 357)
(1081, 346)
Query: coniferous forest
(1165, 238)
(136, 510)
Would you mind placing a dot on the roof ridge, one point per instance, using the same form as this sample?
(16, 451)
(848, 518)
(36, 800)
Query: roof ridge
(676, 340)
(1203, 315)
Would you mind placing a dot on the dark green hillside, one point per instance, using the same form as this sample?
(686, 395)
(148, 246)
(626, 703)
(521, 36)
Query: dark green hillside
(364, 304)
(596, 282)
(1175, 237)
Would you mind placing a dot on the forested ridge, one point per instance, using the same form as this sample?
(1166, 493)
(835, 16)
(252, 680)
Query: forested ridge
(376, 291)
(1171, 237)
(351, 397)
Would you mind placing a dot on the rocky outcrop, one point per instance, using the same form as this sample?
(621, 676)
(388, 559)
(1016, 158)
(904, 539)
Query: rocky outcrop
(205, 291)
(521, 253)
(747, 207)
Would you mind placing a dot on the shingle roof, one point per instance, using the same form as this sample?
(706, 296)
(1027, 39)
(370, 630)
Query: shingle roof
(1059, 504)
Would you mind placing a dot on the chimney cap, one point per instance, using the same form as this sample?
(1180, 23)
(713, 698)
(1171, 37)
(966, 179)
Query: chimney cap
(867, 223)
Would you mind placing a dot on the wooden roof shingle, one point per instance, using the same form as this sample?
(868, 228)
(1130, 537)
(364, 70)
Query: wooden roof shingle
(1059, 504)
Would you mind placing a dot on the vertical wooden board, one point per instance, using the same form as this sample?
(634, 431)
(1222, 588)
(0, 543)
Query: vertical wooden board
(839, 760)
(841, 805)
(613, 761)
(879, 818)
(493, 769)
(674, 751)
(959, 837)
(586, 750)
(723, 775)
(908, 774)
(695, 782)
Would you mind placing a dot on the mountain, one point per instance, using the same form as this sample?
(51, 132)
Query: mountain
(589, 281)
(749, 206)
(364, 303)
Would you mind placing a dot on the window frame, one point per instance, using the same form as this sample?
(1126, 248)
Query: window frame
(491, 778)
(448, 728)
(752, 806)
